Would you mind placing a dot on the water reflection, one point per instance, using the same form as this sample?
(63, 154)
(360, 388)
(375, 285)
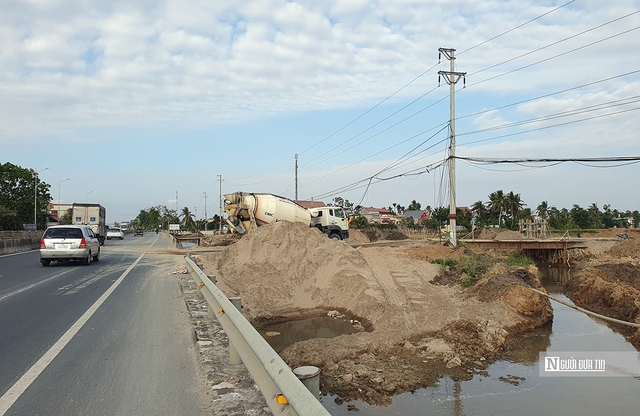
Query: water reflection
(281, 335)
(513, 385)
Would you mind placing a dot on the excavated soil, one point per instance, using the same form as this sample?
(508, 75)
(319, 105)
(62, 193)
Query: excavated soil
(609, 283)
(416, 328)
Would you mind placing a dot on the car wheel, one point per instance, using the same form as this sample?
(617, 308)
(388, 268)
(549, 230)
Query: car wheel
(87, 260)
(45, 263)
(97, 256)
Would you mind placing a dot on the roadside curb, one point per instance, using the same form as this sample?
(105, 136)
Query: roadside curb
(232, 387)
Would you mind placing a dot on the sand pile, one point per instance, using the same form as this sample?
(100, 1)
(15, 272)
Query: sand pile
(627, 248)
(290, 270)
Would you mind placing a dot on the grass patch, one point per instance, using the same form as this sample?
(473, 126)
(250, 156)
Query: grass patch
(519, 261)
(444, 263)
(474, 267)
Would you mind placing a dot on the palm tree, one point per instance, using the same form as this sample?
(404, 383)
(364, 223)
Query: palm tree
(543, 210)
(481, 212)
(595, 215)
(187, 219)
(513, 204)
(498, 204)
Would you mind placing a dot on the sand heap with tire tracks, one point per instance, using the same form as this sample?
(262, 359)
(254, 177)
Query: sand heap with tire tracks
(415, 329)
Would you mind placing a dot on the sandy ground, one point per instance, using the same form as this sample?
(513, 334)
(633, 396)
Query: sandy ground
(419, 321)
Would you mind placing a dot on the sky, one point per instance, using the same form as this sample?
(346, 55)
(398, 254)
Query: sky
(132, 103)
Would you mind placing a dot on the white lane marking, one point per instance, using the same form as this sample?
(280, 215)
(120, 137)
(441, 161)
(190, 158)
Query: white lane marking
(31, 286)
(19, 253)
(14, 393)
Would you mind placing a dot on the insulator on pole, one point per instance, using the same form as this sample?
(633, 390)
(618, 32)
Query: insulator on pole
(438, 80)
(439, 56)
(464, 82)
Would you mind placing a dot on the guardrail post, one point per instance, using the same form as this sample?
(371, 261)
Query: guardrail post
(234, 357)
(310, 377)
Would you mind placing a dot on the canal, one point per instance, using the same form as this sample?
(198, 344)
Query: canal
(513, 385)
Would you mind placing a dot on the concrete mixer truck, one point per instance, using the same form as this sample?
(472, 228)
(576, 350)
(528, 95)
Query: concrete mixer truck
(248, 211)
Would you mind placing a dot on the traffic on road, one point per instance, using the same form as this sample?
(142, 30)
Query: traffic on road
(111, 338)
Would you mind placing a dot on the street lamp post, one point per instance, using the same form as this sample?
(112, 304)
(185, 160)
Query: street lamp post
(86, 198)
(59, 182)
(35, 198)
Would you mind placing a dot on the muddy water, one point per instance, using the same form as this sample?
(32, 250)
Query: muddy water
(513, 386)
(281, 335)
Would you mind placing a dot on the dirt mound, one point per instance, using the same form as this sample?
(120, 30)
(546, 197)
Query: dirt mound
(415, 329)
(372, 235)
(613, 232)
(509, 235)
(358, 236)
(627, 248)
(486, 233)
(611, 290)
(492, 233)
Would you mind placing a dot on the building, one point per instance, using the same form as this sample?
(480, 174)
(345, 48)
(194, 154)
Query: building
(56, 211)
(310, 204)
(417, 215)
(377, 215)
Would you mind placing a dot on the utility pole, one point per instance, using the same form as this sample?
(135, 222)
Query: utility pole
(220, 179)
(451, 77)
(296, 176)
(205, 211)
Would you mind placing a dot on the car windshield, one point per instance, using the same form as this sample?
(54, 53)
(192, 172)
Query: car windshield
(63, 233)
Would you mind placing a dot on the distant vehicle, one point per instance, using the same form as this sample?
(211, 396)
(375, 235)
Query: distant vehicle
(92, 215)
(69, 242)
(115, 233)
(138, 231)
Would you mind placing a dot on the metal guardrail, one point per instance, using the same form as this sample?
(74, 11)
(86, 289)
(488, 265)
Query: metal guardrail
(274, 377)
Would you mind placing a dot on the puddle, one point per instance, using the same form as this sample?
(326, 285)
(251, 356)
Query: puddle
(513, 385)
(282, 334)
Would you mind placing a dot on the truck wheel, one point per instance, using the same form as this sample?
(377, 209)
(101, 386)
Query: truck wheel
(335, 237)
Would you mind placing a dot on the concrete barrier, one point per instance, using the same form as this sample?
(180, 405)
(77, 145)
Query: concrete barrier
(18, 241)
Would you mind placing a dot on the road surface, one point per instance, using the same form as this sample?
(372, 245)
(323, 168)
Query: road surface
(109, 338)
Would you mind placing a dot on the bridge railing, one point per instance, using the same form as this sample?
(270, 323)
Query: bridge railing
(284, 393)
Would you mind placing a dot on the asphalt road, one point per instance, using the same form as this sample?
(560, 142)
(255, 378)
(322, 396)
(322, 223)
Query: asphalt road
(110, 338)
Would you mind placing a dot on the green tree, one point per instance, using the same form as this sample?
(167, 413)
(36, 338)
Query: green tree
(359, 222)
(18, 189)
(441, 215)
(513, 205)
(543, 210)
(498, 204)
(579, 217)
(595, 216)
(481, 212)
(67, 217)
(414, 206)
(188, 219)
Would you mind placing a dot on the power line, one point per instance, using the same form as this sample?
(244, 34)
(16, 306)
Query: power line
(517, 27)
(556, 43)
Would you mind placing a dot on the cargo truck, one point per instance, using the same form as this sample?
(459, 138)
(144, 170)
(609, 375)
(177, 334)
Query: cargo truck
(248, 211)
(92, 215)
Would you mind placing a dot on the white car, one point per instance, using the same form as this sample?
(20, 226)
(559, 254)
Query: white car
(69, 242)
(115, 233)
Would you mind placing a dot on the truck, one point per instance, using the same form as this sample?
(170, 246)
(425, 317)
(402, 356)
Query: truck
(92, 215)
(248, 211)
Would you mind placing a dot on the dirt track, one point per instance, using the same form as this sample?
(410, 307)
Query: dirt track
(417, 327)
